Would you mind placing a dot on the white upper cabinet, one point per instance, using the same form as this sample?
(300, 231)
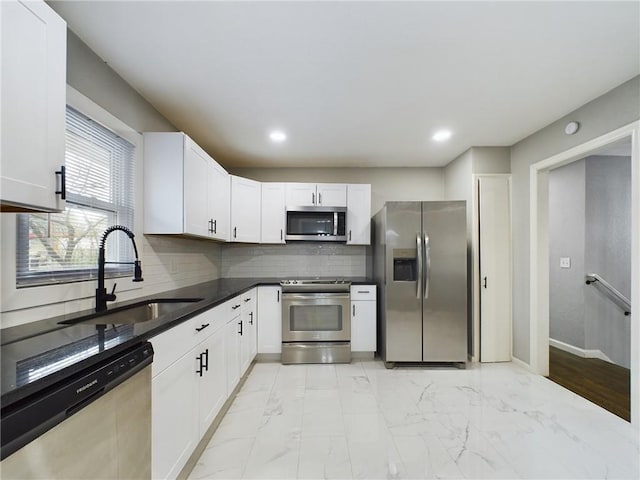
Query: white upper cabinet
(33, 67)
(245, 210)
(316, 194)
(331, 195)
(358, 214)
(196, 189)
(185, 190)
(273, 214)
(300, 194)
(219, 202)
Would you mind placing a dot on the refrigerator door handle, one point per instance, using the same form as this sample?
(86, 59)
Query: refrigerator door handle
(420, 273)
(427, 264)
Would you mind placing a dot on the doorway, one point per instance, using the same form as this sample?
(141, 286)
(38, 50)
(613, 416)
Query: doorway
(590, 276)
(539, 248)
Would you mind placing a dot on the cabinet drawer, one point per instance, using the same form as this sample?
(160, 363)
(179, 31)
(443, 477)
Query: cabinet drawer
(363, 292)
(169, 346)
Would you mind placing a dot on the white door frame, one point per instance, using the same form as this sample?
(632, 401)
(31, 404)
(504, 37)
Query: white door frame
(475, 255)
(539, 253)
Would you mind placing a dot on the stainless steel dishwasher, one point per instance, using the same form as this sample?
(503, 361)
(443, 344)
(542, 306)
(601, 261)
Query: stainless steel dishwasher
(96, 424)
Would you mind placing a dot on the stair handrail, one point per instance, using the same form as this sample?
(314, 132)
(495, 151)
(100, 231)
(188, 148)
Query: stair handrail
(614, 294)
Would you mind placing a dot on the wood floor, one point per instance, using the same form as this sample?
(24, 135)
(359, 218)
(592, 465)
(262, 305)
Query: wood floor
(603, 383)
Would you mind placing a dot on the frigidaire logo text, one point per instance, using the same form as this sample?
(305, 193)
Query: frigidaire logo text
(88, 385)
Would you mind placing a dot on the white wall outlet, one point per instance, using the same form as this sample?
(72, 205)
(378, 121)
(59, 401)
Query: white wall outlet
(565, 262)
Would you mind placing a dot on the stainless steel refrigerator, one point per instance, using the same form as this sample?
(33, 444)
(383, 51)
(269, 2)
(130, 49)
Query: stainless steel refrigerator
(420, 264)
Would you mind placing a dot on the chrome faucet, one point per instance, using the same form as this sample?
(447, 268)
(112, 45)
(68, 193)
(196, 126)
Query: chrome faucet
(102, 297)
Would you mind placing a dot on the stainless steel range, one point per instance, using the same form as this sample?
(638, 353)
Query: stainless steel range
(316, 321)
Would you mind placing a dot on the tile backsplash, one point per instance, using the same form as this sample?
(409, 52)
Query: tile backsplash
(293, 260)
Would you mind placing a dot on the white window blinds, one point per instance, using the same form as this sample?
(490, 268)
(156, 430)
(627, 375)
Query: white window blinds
(63, 247)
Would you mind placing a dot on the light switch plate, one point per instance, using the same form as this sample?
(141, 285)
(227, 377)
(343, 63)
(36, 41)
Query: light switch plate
(565, 262)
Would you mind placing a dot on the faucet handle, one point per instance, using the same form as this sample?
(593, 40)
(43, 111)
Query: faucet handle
(110, 297)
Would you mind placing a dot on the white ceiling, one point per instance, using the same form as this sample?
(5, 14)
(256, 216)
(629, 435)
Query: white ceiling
(361, 83)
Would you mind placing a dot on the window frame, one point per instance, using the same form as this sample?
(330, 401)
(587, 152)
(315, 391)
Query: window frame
(120, 210)
(23, 305)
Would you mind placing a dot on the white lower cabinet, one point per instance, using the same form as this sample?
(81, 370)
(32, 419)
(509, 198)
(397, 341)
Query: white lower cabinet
(248, 337)
(232, 343)
(188, 389)
(174, 406)
(270, 313)
(363, 318)
(212, 386)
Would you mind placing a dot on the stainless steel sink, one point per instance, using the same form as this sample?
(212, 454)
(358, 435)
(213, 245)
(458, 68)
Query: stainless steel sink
(136, 313)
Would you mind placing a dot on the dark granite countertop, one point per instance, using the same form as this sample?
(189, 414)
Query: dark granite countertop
(37, 355)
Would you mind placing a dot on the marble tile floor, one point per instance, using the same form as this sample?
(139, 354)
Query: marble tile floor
(365, 422)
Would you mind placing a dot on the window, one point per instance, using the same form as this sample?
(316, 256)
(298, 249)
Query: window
(63, 247)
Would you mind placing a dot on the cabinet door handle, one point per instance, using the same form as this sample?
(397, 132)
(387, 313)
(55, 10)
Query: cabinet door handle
(210, 226)
(319, 198)
(63, 182)
(484, 282)
(206, 359)
(349, 235)
(202, 327)
(251, 318)
(235, 231)
(278, 297)
(313, 198)
(280, 234)
(240, 323)
(215, 226)
(354, 311)
(201, 368)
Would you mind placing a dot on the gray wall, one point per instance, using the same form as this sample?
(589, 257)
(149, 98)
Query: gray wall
(91, 76)
(608, 253)
(491, 160)
(567, 239)
(612, 110)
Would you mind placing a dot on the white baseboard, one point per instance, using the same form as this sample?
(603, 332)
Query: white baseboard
(521, 363)
(580, 352)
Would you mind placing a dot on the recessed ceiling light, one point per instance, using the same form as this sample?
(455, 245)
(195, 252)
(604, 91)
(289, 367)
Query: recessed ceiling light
(442, 135)
(277, 136)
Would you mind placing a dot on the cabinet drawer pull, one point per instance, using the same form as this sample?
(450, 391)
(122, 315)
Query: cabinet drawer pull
(202, 327)
(247, 300)
(364, 291)
(235, 306)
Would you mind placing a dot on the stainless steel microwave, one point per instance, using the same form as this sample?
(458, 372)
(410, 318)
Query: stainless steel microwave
(316, 224)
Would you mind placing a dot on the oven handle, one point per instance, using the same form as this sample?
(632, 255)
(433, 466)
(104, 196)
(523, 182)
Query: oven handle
(314, 295)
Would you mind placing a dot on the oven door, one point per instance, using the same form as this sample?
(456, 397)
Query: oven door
(316, 317)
